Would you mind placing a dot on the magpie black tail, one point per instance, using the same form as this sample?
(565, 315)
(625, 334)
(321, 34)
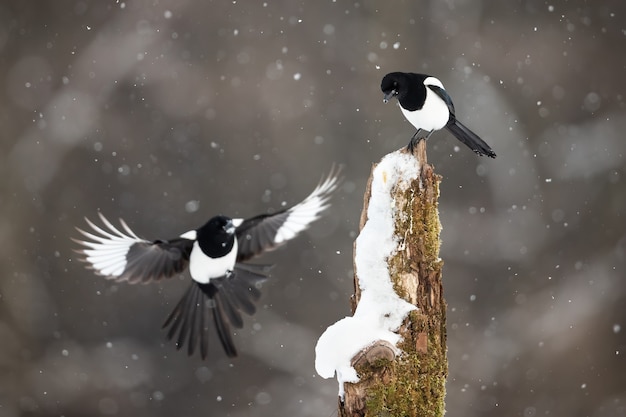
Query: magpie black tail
(224, 298)
(188, 322)
(470, 139)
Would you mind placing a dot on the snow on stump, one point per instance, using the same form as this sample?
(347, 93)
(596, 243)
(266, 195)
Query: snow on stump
(390, 356)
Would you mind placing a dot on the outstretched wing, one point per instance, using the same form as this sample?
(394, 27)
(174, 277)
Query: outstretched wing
(223, 298)
(126, 257)
(446, 98)
(268, 231)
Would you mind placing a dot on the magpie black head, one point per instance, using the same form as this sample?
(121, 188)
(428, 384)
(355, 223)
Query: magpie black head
(217, 237)
(407, 87)
(391, 85)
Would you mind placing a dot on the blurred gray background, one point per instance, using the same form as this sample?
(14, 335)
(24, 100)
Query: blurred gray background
(167, 112)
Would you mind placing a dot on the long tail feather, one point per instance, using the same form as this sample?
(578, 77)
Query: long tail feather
(470, 139)
(223, 330)
(224, 298)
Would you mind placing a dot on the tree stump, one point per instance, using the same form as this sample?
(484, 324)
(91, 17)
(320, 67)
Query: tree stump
(413, 382)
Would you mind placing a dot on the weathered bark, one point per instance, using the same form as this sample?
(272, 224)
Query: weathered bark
(413, 383)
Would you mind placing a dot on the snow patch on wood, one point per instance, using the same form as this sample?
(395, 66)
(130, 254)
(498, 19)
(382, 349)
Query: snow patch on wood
(380, 311)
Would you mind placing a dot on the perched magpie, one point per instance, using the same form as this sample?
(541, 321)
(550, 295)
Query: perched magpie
(428, 107)
(223, 284)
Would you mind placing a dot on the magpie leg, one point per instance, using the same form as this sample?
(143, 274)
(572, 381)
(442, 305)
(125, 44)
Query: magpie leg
(414, 141)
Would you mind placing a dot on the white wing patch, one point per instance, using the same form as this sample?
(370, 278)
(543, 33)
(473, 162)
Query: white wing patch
(303, 214)
(106, 252)
(191, 235)
(433, 81)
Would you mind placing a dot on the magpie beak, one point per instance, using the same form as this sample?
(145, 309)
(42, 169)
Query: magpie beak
(229, 227)
(389, 95)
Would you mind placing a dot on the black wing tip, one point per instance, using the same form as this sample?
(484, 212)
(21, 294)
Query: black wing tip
(327, 186)
(336, 169)
(329, 183)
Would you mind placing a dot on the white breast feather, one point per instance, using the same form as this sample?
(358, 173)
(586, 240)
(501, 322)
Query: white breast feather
(203, 268)
(434, 115)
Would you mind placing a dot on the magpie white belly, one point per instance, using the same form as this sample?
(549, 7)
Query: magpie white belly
(203, 268)
(433, 116)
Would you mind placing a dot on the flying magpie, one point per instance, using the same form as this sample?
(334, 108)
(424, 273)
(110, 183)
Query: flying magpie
(223, 284)
(428, 107)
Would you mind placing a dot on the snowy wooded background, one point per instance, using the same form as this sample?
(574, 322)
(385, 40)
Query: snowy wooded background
(167, 112)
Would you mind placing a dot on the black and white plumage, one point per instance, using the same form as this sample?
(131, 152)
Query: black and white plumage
(427, 106)
(223, 284)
